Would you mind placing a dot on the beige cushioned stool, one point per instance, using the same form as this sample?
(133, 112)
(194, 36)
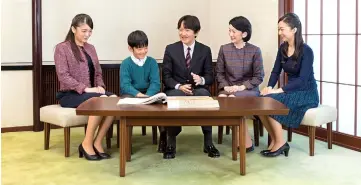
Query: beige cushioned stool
(63, 117)
(315, 117)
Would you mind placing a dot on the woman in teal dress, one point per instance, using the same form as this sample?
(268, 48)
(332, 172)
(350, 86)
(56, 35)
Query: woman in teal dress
(300, 93)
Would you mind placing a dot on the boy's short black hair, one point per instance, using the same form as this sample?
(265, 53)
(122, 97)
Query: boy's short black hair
(242, 24)
(190, 22)
(137, 39)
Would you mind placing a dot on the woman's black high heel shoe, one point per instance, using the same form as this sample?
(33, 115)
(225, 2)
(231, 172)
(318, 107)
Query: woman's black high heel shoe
(82, 153)
(283, 149)
(265, 151)
(249, 149)
(101, 155)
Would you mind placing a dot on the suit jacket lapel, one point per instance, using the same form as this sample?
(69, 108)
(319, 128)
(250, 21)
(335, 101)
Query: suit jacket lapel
(180, 53)
(196, 54)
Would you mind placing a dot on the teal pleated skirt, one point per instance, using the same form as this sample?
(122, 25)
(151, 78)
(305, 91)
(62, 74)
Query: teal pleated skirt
(298, 102)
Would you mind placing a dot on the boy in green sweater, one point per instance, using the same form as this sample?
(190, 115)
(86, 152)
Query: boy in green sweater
(139, 74)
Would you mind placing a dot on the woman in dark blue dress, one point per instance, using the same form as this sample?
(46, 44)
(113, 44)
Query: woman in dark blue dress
(300, 93)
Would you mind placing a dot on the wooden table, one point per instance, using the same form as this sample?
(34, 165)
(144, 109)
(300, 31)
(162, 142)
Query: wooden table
(230, 113)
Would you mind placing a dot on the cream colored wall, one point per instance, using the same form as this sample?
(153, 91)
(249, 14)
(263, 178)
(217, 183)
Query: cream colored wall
(16, 31)
(16, 98)
(113, 21)
(16, 86)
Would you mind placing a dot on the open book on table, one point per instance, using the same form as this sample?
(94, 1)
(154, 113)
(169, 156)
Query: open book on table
(174, 101)
(160, 97)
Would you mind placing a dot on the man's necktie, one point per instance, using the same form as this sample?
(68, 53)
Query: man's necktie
(188, 58)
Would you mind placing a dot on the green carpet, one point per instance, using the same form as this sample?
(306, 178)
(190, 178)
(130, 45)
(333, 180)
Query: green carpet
(24, 161)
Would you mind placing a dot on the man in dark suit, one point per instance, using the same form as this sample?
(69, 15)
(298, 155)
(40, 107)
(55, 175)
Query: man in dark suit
(187, 71)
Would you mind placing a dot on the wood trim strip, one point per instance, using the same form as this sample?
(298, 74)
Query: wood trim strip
(17, 129)
(321, 48)
(356, 68)
(290, 7)
(281, 12)
(17, 68)
(306, 20)
(281, 8)
(338, 64)
(110, 66)
(37, 63)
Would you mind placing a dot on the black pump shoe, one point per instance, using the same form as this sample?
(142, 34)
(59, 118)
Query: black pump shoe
(249, 149)
(101, 155)
(265, 151)
(282, 150)
(82, 153)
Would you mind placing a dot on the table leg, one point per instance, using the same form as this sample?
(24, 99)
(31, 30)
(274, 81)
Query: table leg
(234, 143)
(129, 143)
(123, 145)
(242, 146)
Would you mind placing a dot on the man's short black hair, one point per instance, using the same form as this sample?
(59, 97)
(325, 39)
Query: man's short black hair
(242, 24)
(190, 22)
(137, 39)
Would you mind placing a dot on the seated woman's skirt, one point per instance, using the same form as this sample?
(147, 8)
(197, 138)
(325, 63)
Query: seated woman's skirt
(298, 103)
(72, 99)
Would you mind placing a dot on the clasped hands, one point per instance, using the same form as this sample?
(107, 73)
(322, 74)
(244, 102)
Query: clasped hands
(187, 88)
(234, 88)
(268, 90)
(98, 89)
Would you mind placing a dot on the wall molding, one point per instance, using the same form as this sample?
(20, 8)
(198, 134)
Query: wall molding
(17, 68)
(17, 129)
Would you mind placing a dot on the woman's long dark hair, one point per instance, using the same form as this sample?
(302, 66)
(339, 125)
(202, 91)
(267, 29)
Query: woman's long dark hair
(76, 22)
(293, 21)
